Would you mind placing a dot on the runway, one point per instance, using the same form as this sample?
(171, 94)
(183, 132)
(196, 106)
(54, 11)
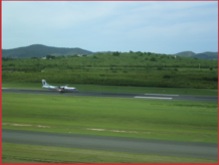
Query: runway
(121, 95)
(165, 148)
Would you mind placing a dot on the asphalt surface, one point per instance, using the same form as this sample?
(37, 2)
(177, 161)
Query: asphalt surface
(121, 95)
(180, 149)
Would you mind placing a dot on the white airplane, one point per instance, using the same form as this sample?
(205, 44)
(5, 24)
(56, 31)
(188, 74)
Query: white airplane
(61, 89)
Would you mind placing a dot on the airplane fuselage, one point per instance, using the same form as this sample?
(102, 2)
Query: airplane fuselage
(61, 89)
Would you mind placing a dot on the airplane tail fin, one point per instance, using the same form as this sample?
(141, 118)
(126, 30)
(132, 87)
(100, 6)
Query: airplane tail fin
(44, 83)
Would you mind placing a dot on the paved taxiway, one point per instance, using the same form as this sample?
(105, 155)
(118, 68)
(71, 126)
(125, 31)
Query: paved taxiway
(123, 95)
(181, 149)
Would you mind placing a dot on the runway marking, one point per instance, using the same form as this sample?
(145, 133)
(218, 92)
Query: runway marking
(96, 129)
(158, 98)
(168, 95)
(117, 131)
(25, 125)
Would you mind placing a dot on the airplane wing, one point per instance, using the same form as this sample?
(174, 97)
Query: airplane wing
(61, 89)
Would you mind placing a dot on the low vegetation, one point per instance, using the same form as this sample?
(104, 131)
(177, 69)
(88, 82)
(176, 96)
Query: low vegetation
(115, 68)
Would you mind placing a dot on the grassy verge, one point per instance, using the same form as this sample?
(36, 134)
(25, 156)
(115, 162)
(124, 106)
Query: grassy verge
(148, 119)
(18, 153)
(120, 89)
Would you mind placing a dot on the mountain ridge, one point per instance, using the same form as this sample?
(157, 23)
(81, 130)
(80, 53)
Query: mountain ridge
(204, 55)
(39, 50)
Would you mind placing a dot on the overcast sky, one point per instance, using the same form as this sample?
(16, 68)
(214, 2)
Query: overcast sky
(161, 27)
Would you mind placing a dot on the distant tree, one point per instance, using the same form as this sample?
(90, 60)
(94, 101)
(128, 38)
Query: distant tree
(48, 57)
(153, 59)
(149, 53)
(159, 68)
(166, 76)
(95, 57)
(139, 53)
(116, 53)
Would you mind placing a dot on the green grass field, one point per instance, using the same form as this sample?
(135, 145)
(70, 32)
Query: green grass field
(149, 119)
(122, 117)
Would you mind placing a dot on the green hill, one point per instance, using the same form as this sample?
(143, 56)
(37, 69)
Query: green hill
(204, 55)
(186, 54)
(208, 55)
(38, 50)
